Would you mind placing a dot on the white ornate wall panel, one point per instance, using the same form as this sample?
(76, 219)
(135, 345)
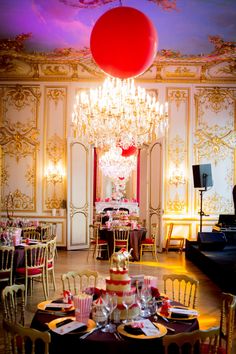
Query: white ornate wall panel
(155, 186)
(20, 144)
(78, 195)
(176, 168)
(54, 144)
(215, 143)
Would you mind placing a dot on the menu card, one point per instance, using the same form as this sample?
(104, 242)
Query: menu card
(183, 311)
(58, 305)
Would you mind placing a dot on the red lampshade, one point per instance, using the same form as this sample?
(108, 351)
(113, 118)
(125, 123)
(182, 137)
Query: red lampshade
(123, 42)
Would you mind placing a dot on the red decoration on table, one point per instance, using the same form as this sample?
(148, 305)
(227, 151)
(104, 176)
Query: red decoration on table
(123, 42)
(165, 307)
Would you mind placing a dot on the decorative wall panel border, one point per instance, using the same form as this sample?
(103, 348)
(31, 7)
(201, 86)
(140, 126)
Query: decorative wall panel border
(19, 107)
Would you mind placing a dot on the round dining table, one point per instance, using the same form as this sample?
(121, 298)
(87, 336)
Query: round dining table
(135, 238)
(107, 343)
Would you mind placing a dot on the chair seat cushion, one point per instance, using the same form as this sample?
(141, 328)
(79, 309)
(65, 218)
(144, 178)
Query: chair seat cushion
(102, 242)
(147, 241)
(120, 243)
(22, 271)
(4, 275)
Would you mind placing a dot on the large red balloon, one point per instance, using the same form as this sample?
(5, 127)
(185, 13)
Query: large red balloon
(123, 42)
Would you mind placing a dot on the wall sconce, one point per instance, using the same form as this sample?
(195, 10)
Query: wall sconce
(54, 173)
(176, 176)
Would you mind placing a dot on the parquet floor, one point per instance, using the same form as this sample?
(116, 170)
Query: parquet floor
(209, 295)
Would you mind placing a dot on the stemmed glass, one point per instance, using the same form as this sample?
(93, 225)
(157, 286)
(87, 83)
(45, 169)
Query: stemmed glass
(128, 301)
(110, 304)
(145, 296)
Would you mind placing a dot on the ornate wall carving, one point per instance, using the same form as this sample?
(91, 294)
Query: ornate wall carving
(19, 105)
(55, 147)
(177, 152)
(215, 143)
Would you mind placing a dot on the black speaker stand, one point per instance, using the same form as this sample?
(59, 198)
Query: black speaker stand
(201, 212)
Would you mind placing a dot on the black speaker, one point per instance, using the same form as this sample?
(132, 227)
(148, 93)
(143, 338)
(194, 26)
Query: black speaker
(211, 241)
(202, 177)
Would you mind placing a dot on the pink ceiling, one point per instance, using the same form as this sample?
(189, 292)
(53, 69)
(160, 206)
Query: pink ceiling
(183, 25)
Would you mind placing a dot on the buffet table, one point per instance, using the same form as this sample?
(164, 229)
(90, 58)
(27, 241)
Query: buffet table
(106, 343)
(132, 206)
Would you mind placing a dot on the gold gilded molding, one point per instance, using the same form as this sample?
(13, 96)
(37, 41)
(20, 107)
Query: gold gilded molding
(56, 94)
(54, 70)
(53, 202)
(215, 202)
(74, 210)
(176, 206)
(217, 98)
(182, 72)
(21, 202)
(177, 96)
(21, 96)
(177, 150)
(55, 148)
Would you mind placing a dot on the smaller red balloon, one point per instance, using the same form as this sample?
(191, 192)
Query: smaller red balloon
(128, 152)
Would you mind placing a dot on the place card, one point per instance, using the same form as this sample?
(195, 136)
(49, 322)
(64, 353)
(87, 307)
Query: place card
(58, 305)
(183, 311)
(149, 329)
(68, 327)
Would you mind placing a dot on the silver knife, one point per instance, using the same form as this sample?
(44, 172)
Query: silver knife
(88, 333)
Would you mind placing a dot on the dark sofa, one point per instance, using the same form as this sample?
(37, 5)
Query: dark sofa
(219, 265)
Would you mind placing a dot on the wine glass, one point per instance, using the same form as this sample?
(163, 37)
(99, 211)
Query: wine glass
(145, 296)
(110, 305)
(128, 301)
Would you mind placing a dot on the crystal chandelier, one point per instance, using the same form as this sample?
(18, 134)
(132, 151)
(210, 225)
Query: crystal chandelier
(118, 113)
(117, 167)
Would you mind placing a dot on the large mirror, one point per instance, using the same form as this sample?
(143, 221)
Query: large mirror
(106, 188)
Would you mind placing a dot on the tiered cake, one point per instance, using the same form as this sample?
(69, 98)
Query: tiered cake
(120, 283)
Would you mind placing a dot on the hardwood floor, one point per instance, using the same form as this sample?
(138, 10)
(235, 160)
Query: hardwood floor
(209, 295)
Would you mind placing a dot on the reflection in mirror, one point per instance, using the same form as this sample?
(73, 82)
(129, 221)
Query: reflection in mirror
(116, 176)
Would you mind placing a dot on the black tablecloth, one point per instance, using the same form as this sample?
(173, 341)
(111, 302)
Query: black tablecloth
(106, 343)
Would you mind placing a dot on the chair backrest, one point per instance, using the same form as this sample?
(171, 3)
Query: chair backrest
(35, 256)
(192, 342)
(181, 288)
(6, 263)
(51, 251)
(227, 317)
(121, 237)
(19, 339)
(32, 234)
(170, 230)
(13, 299)
(79, 281)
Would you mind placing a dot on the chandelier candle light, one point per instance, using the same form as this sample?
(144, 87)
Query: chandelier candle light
(118, 113)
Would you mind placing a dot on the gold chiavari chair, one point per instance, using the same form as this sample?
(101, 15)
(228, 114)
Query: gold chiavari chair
(79, 281)
(6, 263)
(192, 342)
(121, 238)
(34, 269)
(149, 244)
(32, 235)
(227, 319)
(13, 300)
(96, 244)
(50, 263)
(181, 288)
(19, 339)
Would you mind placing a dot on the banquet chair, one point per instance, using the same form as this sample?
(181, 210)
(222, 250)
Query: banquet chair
(121, 238)
(227, 318)
(26, 229)
(34, 268)
(174, 242)
(32, 235)
(50, 263)
(20, 340)
(149, 244)
(13, 300)
(76, 282)
(96, 244)
(6, 263)
(181, 288)
(192, 342)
